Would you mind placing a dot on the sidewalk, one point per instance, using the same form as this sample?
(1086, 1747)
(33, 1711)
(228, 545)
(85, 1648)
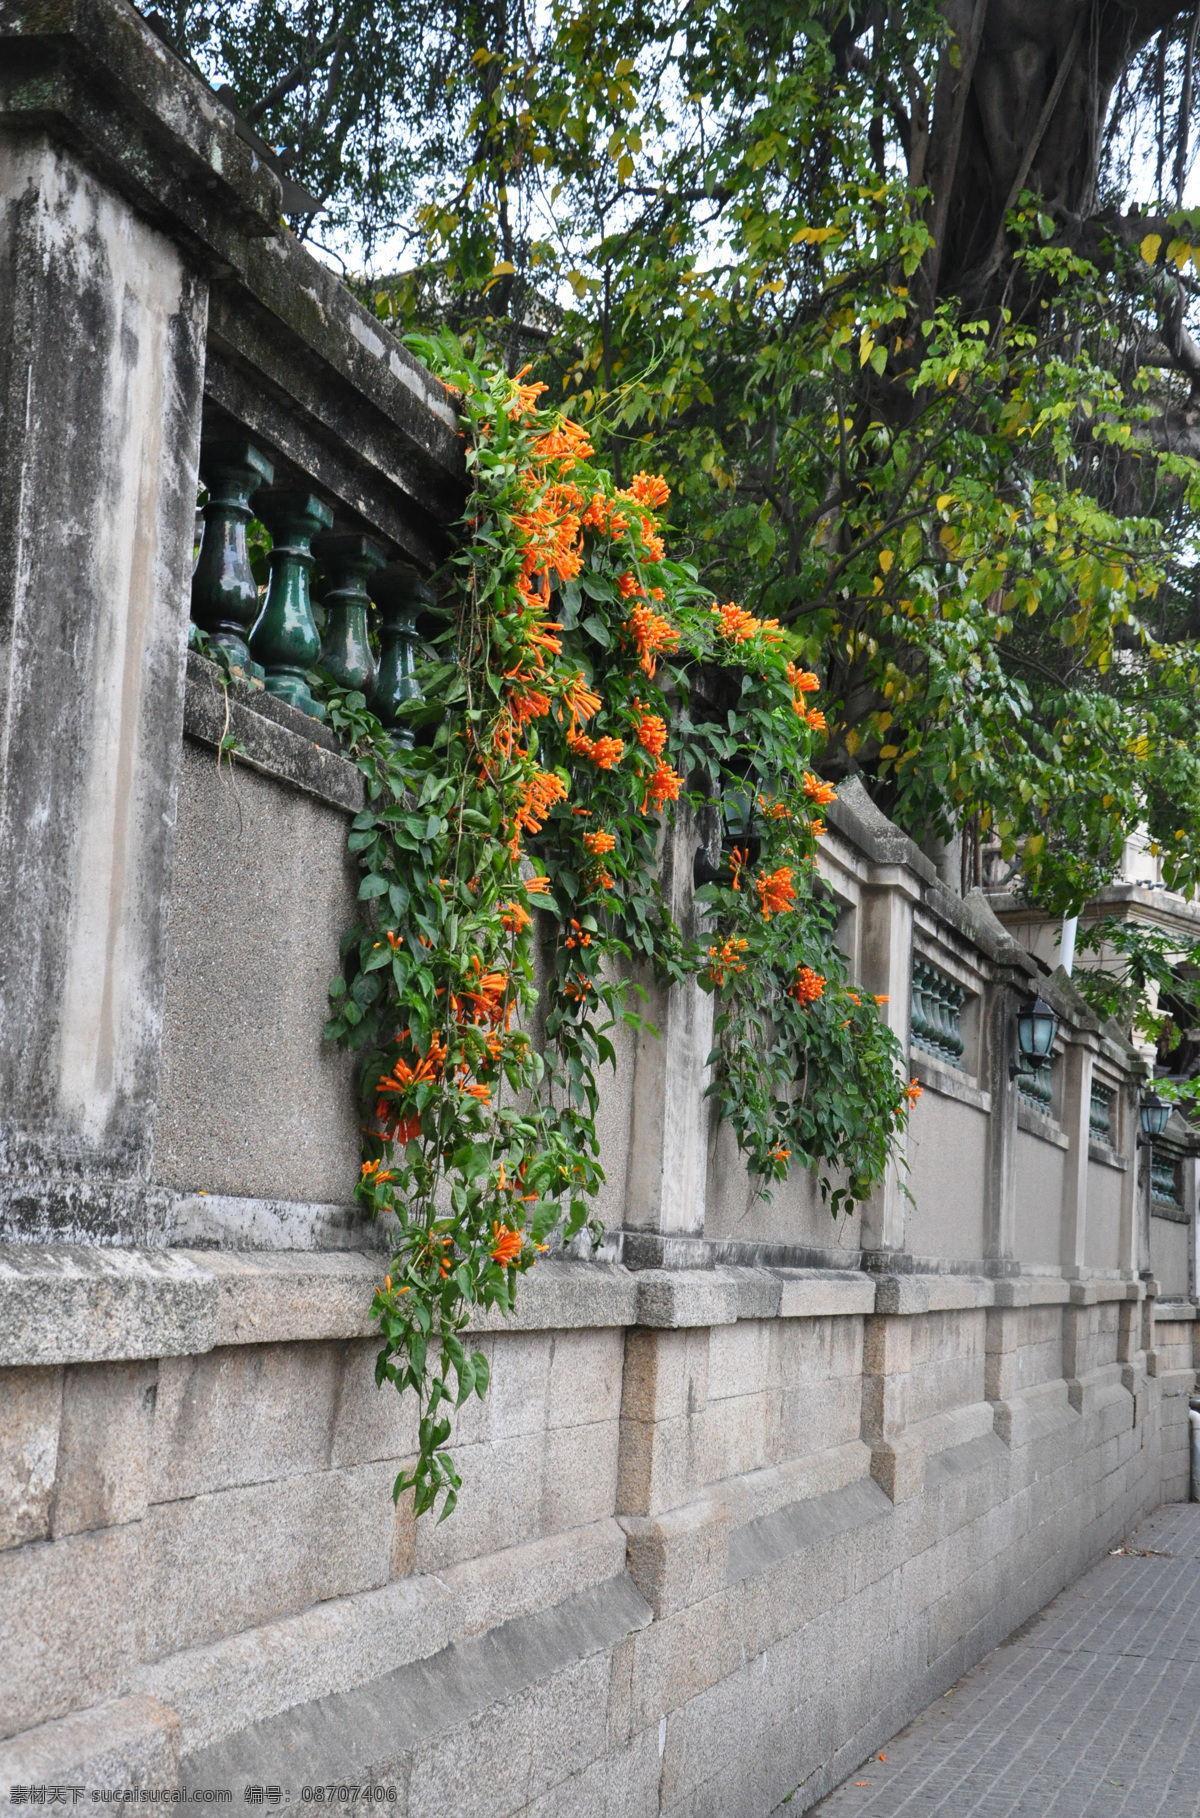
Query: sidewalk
(1092, 1710)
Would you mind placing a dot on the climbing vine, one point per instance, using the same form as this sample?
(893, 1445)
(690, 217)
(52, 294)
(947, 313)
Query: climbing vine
(584, 688)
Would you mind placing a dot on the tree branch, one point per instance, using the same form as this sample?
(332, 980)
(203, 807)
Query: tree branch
(292, 79)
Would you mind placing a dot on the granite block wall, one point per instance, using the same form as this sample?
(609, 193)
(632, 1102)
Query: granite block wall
(678, 1581)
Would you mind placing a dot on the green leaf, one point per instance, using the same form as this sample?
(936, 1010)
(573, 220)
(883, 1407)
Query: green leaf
(597, 630)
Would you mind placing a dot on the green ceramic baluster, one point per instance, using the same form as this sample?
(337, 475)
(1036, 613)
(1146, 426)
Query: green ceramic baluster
(345, 651)
(400, 597)
(285, 640)
(225, 601)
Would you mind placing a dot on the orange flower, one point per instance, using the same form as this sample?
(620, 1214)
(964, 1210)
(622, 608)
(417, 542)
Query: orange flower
(489, 996)
(607, 752)
(428, 1067)
(651, 732)
(566, 445)
(541, 640)
(654, 545)
(579, 938)
(739, 626)
(816, 719)
(580, 701)
(526, 396)
(538, 797)
(817, 791)
(912, 1092)
(394, 1129)
(774, 811)
(601, 515)
(649, 489)
(482, 1093)
(536, 886)
(535, 598)
(514, 918)
(629, 585)
(395, 941)
(652, 634)
(724, 958)
(604, 753)
(780, 1154)
(664, 786)
(527, 704)
(737, 863)
(776, 892)
(604, 880)
(508, 1244)
(803, 681)
(550, 533)
(808, 986)
(378, 1175)
(599, 842)
(817, 829)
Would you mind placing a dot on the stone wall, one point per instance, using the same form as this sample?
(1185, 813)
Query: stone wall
(750, 1486)
(721, 1532)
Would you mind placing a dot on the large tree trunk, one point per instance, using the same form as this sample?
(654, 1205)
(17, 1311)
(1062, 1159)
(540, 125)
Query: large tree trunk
(1024, 109)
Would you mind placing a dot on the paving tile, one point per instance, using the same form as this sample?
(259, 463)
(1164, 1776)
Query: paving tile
(1091, 1710)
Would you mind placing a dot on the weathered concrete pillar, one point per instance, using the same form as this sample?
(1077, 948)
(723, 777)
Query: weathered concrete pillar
(1075, 1119)
(885, 958)
(1000, 1188)
(667, 1172)
(102, 362)
(1189, 1180)
(1142, 1188)
(1125, 1104)
(118, 185)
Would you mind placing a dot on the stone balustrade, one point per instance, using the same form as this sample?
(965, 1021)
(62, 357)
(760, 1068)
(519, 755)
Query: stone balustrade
(1164, 1179)
(270, 635)
(937, 1003)
(1100, 1114)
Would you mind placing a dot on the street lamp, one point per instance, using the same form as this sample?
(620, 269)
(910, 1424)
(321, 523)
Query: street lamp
(1154, 1115)
(1037, 1026)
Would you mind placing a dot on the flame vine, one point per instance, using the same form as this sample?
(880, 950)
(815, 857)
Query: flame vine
(585, 684)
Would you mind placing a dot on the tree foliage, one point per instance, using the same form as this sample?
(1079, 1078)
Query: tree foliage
(887, 295)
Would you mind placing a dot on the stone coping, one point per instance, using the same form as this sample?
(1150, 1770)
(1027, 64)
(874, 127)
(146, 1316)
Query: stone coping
(1036, 1123)
(1107, 1157)
(1175, 1310)
(67, 1303)
(947, 1083)
(275, 739)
